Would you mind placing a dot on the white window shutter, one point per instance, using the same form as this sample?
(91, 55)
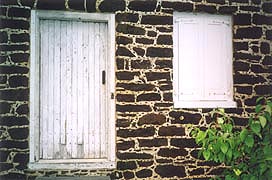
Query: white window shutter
(202, 61)
(217, 40)
(189, 54)
(72, 94)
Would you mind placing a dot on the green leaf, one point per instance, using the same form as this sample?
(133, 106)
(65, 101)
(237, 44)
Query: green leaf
(221, 157)
(228, 177)
(206, 154)
(256, 128)
(268, 109)
(258, 108)
(243, 134)
(232, 143)
(229, 154)
(200, 136)
(249, 141)
(262, 121)
(259, 99)
(224, 147)
(237, 172)
(236, 154)
(220, 120)
(262, 168)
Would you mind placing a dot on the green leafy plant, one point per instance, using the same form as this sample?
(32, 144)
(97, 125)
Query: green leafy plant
(247, 151)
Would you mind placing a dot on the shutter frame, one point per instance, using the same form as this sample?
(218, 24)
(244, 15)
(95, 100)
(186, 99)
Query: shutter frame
(220, 97)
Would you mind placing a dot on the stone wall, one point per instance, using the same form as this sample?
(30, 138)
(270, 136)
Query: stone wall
(152, 139)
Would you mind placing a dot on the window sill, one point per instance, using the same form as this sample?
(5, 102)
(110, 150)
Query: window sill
(205, 104)
(56, 164)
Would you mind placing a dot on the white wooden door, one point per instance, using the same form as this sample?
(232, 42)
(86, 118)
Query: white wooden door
(72, 96)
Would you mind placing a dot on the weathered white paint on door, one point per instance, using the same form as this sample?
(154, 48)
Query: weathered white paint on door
(72, 94)
(72, 112)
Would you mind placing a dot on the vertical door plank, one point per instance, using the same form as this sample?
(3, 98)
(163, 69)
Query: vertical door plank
(91, 83)
(80, 82)
(69, 60)
(63, 82)
(56, 86)
(97, 85)
(85, 96)
(44, 94)
(102, 59)
(75, 61)
(50, 86)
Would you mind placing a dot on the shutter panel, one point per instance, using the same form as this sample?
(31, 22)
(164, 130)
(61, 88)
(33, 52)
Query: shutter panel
(189, 56)
(217, 39)
(72, 97)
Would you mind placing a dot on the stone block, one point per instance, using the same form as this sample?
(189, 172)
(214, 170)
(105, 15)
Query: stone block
(15, 24)
(216, 1)
(127, 17)
(126, 75)
(267, 7)
(18, 133)
(144, 41)
(141, 5)
(249, 33)
(17, 38)
(262, 19)
(90, 5)
(205, 8)
(28, 3)
(155, 119)
(171, 131)
(265, 48)
(18, 12)
(18, 81)
(14, 94)
(242, 19)
(13, 70)
(22, 109)
(125, 145)
(149, 97)
(4, 37)
(227, 9)
(126, 165)
(51, 4)
(170, 171)
(153, 76)
(183, 142)
(76, 4)
(155, 142)
(144, 173)
(165, 40)
(130, 29)
(4, 107)
(140, 132)
(172, 152)
(13, 121)
(112, 6)
(159, 52)
(157, 20)
(125, 98)
(132, 155)
(139, 51)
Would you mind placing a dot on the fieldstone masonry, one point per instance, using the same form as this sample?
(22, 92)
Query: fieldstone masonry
(152, 137)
